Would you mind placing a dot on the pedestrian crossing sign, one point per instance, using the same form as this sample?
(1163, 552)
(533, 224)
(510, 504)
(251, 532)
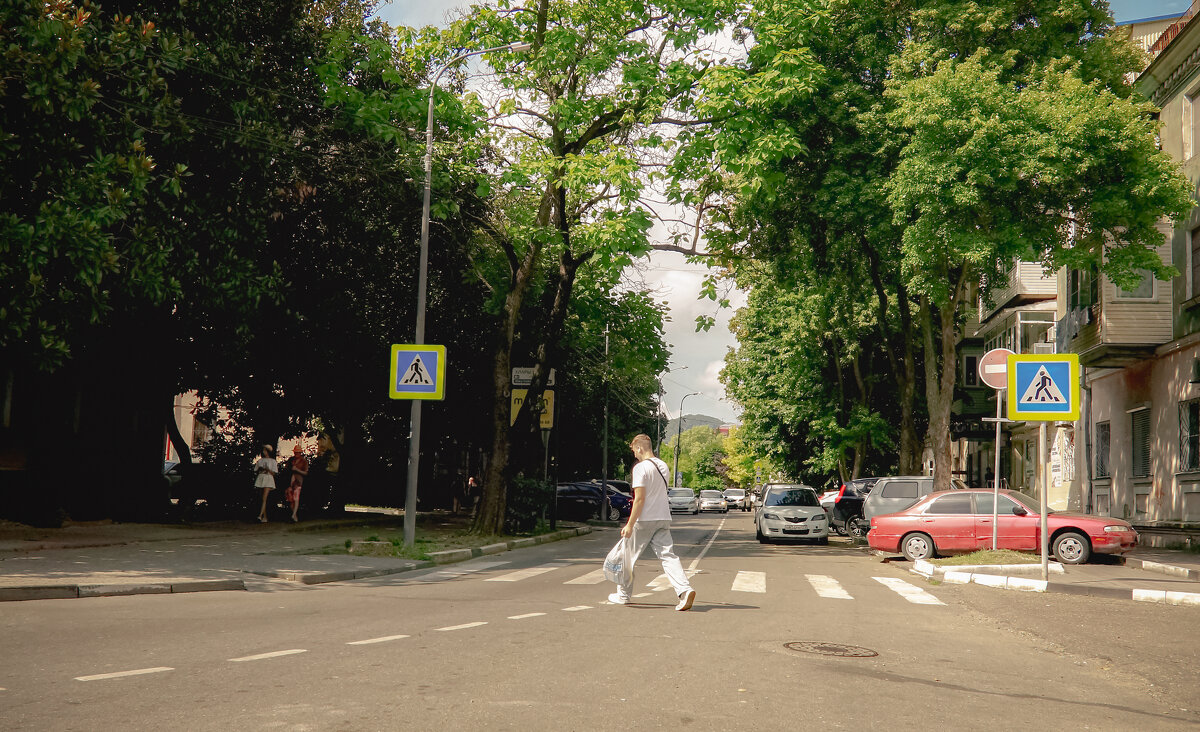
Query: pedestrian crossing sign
(1043, 388)
(418, 372)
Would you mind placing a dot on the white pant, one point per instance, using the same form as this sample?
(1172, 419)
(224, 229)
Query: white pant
(658, 535)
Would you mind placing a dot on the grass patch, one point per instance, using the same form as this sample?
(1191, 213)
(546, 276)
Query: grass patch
(987, 556)
(435, 532)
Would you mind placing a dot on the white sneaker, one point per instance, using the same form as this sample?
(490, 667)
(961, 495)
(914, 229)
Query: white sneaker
(616, 599)
(686, 600)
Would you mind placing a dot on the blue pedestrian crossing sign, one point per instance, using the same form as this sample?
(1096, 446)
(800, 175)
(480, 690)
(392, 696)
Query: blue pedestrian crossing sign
(418, 372)
(1043, 388)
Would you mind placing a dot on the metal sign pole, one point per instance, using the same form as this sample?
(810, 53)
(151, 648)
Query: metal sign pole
(1045, 540)
(996, 472)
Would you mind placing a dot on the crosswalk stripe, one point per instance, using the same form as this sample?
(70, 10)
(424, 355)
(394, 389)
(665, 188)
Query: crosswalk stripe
(591, 578)
(456, 572)
(912, 593)
(576, 608)
(464, 626)
(527, 573)
(526, 615)
(828, 587)
(383, 639)
(750, 582)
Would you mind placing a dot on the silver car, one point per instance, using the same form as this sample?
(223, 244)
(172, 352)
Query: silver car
(683, 500)
(713, 501)
(791, 511)
(737, 498)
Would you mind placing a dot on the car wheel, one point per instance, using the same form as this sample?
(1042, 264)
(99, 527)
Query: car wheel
(841, 530)
(857, 528)
(1072, 548)
(613, 514)
(917, 546)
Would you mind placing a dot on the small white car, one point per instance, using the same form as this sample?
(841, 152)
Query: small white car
(713, 501)
(683, 500)
(737, 498)
(791, 512)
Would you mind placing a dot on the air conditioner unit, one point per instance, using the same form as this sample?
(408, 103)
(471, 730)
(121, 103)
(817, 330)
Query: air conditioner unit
(1043, 348)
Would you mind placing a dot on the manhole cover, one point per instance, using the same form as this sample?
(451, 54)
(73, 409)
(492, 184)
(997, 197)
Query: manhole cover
(830, 649)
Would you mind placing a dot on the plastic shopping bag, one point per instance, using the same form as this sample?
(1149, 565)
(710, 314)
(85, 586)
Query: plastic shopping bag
(617, 565)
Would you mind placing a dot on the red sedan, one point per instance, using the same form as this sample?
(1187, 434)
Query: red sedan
(960, 521)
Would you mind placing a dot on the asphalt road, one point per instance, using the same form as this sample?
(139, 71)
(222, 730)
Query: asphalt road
(525, 640)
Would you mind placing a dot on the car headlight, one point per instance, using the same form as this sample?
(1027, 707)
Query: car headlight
(771, 516)
(818, 517)
(1117, 529)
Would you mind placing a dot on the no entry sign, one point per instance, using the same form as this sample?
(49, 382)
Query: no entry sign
(993, 368)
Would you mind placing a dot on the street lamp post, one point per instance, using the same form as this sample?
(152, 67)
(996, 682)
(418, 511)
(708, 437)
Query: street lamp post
(678, 432)
(414, 436)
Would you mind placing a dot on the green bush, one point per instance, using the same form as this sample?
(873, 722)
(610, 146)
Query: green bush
(528, 501)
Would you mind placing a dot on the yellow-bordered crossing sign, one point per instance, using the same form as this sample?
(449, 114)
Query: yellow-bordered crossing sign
(418, 372)
(1043, 387)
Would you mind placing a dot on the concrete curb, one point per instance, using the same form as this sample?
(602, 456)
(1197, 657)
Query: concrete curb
(57, 592)
(62, 592)
(1025, 584)
(1160, 568)
(929, 569)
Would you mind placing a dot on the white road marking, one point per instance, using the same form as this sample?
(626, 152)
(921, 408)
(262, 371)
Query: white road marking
(384, 639)
(456, 572)
(828, 587)
(750, 582)
(642, 594)
(119, 674)
(594, 577)
(696, 561)
(273, 654)
(576, 608)
(662, 582)
(912, 593)
(464, 626)
(526, 615)
(527, 573)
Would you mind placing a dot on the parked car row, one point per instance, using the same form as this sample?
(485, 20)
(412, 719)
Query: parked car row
(582, 500)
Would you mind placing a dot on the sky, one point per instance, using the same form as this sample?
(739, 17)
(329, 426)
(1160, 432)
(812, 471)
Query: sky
(697, 358)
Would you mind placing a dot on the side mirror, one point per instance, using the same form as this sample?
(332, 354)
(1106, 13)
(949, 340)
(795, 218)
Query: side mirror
(1018, 511)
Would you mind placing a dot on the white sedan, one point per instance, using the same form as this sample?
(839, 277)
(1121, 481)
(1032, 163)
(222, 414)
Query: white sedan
(791, 512)
(713, 501)
(683, 500)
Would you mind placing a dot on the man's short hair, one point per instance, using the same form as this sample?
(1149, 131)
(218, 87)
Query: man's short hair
(642, 442)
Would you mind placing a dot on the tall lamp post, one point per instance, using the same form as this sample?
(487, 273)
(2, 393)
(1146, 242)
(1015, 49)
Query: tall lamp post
(678, 432)
(414, 436)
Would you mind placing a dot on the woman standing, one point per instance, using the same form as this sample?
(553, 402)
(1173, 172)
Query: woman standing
(265, 469)
(299, 467)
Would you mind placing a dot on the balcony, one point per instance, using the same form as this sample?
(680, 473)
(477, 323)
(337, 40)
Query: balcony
(1117, 332)
(1026, 283)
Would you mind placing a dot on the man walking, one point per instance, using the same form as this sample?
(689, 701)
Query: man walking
(650, 523)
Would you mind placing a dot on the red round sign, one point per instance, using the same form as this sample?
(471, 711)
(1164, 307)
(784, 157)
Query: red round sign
(993, 368)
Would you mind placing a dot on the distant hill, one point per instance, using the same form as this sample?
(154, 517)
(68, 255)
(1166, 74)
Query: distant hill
(689, 421)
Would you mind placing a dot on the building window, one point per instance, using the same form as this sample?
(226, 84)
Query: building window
(1083, 290)
(1140, 430)
(1143, 291)
(1195, 263)
(971, 370)
(1189, 435)
(201, 433)
(1103, 436)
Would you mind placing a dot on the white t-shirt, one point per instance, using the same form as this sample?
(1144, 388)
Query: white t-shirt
(650, 476)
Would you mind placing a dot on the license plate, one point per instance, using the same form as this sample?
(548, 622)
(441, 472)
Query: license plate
(795, 531)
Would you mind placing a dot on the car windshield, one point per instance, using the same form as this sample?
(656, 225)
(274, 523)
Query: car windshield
(791, 497)
(735, 492)
(681, 493)
(715, 495)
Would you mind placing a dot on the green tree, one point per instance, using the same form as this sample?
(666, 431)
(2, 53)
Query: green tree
(1017, 138)
(584, 131)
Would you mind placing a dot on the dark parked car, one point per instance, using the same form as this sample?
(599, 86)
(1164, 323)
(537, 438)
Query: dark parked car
(581, 501)
(847, 514)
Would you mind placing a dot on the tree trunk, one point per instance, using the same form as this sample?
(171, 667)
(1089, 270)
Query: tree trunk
(941, 372)
(904, 368)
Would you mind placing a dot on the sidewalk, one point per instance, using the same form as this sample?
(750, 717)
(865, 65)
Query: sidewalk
(1146, 575)
(104, 558)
